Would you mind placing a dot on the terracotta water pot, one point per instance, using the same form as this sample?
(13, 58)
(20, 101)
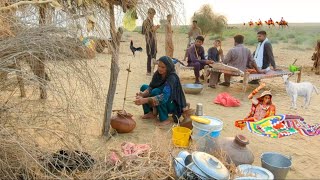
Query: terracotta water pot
(123, 122)
(237, 149)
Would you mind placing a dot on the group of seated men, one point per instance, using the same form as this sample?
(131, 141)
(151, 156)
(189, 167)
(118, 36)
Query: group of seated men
(239, 57)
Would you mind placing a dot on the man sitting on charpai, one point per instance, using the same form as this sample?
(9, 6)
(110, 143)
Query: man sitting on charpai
(196, 58)
(239, 57)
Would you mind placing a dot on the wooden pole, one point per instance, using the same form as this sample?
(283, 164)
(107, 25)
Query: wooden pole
(125, 92)
(299, 75)
(39, 64)
(114, 72)
(245, 82)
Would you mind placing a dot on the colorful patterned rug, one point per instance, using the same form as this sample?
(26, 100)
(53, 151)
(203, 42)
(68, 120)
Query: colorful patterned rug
(283, 125)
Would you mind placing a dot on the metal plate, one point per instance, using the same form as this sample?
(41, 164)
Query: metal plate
(255, 172)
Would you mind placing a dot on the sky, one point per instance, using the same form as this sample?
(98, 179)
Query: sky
(239, 11)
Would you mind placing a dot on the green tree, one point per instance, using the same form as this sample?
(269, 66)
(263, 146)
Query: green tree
(209, 21)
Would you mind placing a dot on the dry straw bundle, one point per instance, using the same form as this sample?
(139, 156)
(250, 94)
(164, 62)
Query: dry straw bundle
(50, 55)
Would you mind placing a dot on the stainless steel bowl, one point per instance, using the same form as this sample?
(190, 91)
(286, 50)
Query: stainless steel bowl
(192, 88)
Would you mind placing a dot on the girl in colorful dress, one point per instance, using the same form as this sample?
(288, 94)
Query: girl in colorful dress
(261, 107)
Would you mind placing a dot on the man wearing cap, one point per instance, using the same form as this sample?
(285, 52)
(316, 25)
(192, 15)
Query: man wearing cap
(149, 30)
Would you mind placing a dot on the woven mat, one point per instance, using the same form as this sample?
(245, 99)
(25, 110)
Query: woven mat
(223, 68)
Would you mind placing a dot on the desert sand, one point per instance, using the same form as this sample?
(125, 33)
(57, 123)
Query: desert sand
(302, 149)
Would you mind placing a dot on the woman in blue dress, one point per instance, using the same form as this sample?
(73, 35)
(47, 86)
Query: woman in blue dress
(164, 95)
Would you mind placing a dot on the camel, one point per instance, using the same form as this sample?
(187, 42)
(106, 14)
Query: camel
(251, 24)
(282, 24)
(270, 23)
(258, 23)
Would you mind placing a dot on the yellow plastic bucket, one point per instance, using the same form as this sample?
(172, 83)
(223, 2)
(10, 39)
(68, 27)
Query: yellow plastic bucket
(181, 136)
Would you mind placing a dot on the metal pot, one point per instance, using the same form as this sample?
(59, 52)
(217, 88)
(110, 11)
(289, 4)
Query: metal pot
(277, 163)
(179, 168)
(207, 166)
(183, 155)
(192, 88)
(254, 172)
(195, 169)
(179, 163)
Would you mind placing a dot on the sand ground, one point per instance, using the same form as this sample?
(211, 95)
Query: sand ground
(303, 150)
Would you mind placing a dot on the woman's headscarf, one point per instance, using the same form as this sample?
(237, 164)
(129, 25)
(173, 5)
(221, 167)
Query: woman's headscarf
(177, 94)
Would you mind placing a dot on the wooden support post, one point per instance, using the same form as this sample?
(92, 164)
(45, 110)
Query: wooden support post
(114, 72)
(205, 74)
(245, 81)
(299, 75)
(20, 80)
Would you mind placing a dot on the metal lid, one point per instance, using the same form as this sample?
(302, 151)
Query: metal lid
(210, 165)
(215, 124)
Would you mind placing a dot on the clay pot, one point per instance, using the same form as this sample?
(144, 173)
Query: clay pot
(236, 149)
(187, 122)
(123, 122)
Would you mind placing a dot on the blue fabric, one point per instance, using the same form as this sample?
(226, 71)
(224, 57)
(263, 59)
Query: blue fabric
(174, 61)
(164, 108)
(176, 95)
(213, 54)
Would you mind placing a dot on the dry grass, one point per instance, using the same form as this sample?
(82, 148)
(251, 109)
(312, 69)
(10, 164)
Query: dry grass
(31, 130)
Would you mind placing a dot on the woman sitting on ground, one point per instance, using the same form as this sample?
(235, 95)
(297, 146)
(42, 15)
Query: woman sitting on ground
(164, 95)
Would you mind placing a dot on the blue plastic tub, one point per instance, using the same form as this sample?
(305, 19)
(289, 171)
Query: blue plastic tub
(212, 130)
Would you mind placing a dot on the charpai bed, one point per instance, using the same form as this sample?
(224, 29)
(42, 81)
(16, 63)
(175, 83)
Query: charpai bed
(247, 77)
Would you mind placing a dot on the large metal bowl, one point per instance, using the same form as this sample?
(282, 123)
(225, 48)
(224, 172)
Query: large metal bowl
(192, 88)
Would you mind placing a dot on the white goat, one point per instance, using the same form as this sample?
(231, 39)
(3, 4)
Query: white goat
(294, 90)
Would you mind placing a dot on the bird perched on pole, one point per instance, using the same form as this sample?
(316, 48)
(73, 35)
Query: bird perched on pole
(134, 49)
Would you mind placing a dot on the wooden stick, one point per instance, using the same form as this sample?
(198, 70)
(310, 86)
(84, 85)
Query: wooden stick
(299, 75)
(125, 92)
(294, 61)
(255, 91)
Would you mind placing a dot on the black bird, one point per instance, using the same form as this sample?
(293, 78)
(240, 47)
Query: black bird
(134, 49)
